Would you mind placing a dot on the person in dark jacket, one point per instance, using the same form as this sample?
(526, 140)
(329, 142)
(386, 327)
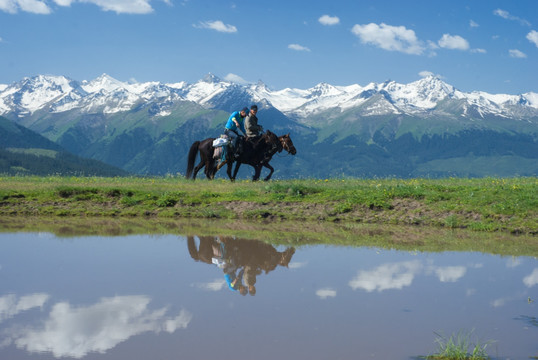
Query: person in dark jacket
(251, 123)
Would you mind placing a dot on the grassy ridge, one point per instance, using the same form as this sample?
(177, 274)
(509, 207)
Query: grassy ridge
(487, 204)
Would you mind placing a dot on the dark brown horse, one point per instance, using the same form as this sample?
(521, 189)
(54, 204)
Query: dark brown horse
(206, 150)
(257, 153)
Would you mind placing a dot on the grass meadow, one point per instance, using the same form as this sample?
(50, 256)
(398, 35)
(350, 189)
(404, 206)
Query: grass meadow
(484, 204)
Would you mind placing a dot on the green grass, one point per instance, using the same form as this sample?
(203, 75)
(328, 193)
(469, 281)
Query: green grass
(482, 205)
(459, 347)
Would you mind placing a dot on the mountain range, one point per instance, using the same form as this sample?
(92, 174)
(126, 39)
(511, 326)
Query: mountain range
(424, 128)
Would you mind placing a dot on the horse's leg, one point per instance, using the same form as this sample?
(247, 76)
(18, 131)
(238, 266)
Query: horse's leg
(208, 169)
(197, 168)
(220, 165)
(257, 172)
(271, 169)
(237, 165)
(214, 169)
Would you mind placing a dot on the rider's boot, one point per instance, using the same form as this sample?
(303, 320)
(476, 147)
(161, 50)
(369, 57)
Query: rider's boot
(238, 147)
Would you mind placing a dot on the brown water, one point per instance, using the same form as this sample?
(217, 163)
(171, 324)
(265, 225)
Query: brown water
(172, 297)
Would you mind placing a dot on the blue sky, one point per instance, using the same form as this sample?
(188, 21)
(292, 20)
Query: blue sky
(482, 45)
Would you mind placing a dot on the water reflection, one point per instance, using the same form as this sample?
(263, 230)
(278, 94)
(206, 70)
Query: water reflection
(241, 261)
(75, 331)
(170, 297)
(399, 275)
(11, 305)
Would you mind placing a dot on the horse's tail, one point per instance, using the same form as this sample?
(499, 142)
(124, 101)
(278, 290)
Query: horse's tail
(192, 157)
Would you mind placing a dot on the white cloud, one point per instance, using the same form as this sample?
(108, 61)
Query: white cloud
(391, 38)
(425, 73)
(123, 6)
(388, 276)
(217, 26)
(515, 53)
(479, 51)
(235, 79)
(533, 37)
(31, 6)
(298, 47)
(64, 2)
(450, 273)
(40, 6)
(532, 279)
(453, 42)
(329, 20)
(75, 332)
(472, 23)
(326, 293)
(506, 15)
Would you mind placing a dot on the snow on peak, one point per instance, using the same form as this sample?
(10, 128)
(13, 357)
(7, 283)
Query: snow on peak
(35, 92)
(532, 99)
(104, 83)
(211, 78)
(58, 93)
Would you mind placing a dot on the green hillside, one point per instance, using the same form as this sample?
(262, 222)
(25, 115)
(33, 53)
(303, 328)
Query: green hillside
(23, 152)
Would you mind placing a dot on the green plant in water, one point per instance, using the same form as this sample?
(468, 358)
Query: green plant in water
(459, 347)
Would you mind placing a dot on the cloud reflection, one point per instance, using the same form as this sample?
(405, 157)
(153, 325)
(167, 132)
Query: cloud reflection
(531, 279)
(296, 265)
(77, 331)
(387, 276)
(215, 285)
(401, 274)
(11, 305)
(450, 273)
(326, 293)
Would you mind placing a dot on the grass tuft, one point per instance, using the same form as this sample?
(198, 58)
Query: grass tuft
(459, 347)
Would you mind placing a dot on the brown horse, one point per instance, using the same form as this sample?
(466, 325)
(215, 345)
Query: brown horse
(206, 150)
(257, 153)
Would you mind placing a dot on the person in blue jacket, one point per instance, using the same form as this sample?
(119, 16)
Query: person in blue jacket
(236, 123)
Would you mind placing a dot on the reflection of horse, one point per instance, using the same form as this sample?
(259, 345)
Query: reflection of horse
(256, 153)
(250, 257)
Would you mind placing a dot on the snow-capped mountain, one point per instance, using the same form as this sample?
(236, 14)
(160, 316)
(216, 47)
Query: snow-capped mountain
(57, 94)
(424, 128)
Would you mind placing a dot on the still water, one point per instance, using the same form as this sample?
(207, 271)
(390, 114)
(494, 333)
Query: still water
(175, 297)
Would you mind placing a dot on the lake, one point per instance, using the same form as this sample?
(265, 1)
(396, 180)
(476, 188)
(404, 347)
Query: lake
(173, 296)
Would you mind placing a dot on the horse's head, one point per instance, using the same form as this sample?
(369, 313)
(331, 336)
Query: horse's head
(287, 144)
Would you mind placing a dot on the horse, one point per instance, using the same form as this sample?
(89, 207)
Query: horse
(257, 153)
(206, 150)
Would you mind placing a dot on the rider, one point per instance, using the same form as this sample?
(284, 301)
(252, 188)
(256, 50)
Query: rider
(235, 123)
(251, 123)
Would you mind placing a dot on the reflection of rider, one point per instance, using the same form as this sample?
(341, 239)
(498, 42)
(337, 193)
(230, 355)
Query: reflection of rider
(241, 260)
(213, 250)
(256, 257)
(235, 282)
(249, 277)
(234, 124)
